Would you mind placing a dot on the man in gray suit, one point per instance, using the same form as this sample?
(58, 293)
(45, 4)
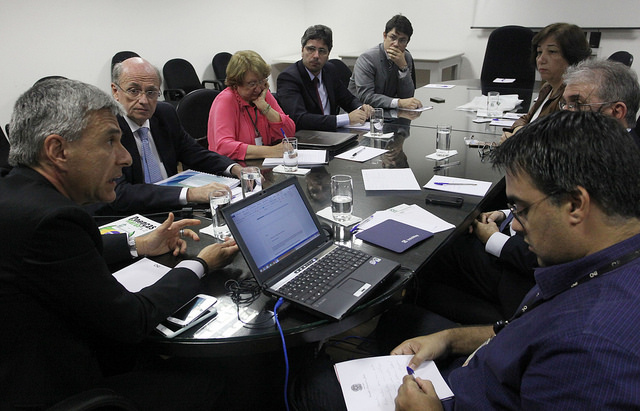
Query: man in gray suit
(382, 75)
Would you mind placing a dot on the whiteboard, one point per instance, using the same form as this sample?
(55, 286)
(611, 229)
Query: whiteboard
(588, 14)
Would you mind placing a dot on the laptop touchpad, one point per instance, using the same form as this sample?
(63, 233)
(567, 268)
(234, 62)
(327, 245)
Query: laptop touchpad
(354, 287)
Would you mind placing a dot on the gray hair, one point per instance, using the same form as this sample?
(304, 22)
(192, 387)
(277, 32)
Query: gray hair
(117, 70)
(566, 149)
(613, 81)
(57, 106)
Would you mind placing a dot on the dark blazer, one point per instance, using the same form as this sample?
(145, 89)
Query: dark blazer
(298, 97)
(64, 316)
(174, 145)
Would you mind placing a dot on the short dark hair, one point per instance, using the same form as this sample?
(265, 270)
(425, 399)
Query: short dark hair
(401, 24)
(571, 39)
(318, 32)
(564, 150)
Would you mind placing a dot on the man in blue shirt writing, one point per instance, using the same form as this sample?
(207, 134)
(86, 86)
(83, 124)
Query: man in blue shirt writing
(574, 342)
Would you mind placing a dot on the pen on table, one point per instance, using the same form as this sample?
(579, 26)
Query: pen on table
(355, 227)
(440, 167)
(454, 184)
(358, 152)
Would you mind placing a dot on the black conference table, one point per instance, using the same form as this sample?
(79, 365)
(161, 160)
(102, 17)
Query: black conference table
(463, 92)
(407, 148)
(413, 140)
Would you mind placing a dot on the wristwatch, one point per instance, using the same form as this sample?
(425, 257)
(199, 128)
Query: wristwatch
(132, 246)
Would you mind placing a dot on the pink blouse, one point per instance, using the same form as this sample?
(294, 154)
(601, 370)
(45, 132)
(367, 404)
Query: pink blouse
(232, 124)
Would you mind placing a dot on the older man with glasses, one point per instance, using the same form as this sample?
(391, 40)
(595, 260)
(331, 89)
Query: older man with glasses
(608, 87)
(152, 133)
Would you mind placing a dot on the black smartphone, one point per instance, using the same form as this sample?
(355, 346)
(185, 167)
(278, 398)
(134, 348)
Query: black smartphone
(443, 199)
(437, 99)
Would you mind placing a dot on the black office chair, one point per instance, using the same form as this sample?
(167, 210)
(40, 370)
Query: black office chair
(344, 72)
(193, 112)
(121, 56)
(99, 399)
(508, 55)
(219, 63)
(181, 79)
(623, 57)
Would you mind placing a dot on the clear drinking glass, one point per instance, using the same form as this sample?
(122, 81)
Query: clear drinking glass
(443, 140)
(251, 181)
(217, 200)
(290, 156)
(341, 197)
(493, 104)
(376, 122)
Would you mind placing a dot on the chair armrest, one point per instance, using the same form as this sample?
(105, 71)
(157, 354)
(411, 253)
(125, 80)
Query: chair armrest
(173, 94)
(217, 84)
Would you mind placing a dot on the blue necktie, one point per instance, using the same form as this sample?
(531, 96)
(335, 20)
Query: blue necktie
(150, 163)
(506, 222)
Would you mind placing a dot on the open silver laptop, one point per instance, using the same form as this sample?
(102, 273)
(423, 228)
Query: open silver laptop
(281, 239)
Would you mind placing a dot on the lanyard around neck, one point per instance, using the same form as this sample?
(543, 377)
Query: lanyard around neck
(535, 301)
(255, 122)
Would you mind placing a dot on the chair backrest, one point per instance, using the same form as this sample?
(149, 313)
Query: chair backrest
(219, 64)
(344, 72)
(623, 57)
(180, 74)
(193, 112)
(121, 56)
(508, 55)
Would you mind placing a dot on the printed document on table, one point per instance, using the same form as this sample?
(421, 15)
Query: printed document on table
(140, 274)
(305, 158)
(389, 179)
(412, 215)
(371, 384)
(459, 185)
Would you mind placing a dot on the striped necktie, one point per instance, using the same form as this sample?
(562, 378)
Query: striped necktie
(150, 164)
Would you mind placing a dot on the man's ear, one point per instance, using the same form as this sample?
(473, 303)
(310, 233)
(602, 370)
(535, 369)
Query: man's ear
(579, 205)
(54, 149)
(114, 91)
(619, 111)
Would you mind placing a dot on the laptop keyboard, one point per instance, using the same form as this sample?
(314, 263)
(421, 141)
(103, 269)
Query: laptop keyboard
(319, 276)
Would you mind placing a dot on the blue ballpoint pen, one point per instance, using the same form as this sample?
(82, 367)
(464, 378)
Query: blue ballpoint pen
(355, 227)
(411, 372)
(455, 184)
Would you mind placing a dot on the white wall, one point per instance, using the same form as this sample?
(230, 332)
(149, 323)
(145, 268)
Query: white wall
(77, 38)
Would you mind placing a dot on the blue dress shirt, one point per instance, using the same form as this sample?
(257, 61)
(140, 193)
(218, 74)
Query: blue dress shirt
(578, 349)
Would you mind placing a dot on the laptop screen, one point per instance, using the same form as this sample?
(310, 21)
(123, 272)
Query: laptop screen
(274, 227)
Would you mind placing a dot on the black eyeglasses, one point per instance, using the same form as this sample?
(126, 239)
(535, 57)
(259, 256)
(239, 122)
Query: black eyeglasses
(312, 50)
(401, 40)
(575, 106)
(137, 93)
(486, 149)
(521, 215)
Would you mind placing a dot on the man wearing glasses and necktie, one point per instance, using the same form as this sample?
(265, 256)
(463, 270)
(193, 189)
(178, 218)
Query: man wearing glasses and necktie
(152, 133)
(310, 90)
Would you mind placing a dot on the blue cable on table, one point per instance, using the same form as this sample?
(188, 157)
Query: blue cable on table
(284, 348)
